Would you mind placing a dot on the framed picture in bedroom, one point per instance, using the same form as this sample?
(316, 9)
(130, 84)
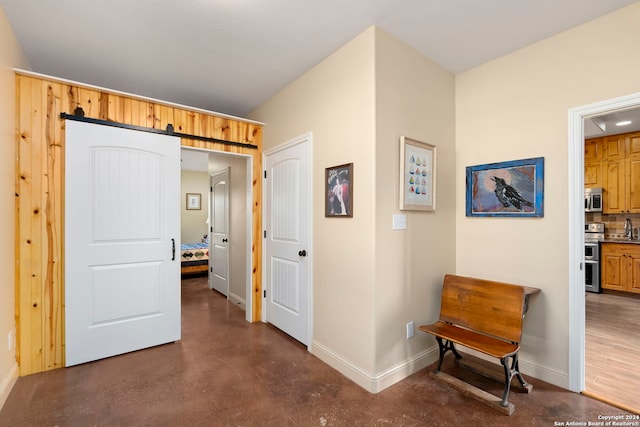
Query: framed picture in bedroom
(417, 175)
(193, 201)
(338, 190)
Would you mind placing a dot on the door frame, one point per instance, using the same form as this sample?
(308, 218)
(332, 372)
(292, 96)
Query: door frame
(577, 314)
(308, 138)
(249, 300)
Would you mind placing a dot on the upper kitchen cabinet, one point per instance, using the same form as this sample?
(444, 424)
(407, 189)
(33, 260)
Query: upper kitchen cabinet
(621, 173)
(593, 150)
(614, 147)
(633, 145)
(593, 168)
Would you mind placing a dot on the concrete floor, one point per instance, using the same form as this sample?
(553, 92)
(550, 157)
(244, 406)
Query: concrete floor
(227, 372)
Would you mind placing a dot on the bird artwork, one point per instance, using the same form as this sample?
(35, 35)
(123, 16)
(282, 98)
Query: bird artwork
(509, 196)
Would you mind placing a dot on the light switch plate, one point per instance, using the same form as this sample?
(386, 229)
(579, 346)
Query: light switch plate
(399, 222)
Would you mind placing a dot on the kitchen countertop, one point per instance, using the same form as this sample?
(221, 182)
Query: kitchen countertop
(609, 240)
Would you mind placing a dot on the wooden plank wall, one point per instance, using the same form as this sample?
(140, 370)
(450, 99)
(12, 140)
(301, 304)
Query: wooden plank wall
(40, 197)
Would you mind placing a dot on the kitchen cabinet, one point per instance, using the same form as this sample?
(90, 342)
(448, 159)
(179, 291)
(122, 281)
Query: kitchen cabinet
(593, 150)
(633, 145)
(620, 174)
(593, 164)
(614, 147)
(621, 183)
(593, 175)
(620, 264)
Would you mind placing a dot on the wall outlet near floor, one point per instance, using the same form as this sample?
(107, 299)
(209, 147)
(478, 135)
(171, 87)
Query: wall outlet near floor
(10, 340)
(409, 330)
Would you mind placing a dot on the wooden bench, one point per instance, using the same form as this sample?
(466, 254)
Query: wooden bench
(487, 317)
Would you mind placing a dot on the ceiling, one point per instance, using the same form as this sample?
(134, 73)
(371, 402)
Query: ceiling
(608, 124)
(230, 56)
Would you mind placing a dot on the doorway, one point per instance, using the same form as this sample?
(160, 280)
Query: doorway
(577, 297)
(204, 163)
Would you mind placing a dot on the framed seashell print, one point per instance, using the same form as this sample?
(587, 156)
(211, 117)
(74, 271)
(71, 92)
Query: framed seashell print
(417, 175)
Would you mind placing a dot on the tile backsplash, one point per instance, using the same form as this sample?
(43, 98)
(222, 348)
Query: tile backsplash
(614, 224)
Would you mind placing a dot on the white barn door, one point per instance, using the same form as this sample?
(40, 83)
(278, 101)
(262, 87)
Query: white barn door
(122, 226)
(287, 257)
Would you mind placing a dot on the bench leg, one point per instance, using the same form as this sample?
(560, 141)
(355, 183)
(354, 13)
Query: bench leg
(509, 373)
(444, 347)
(523, 383)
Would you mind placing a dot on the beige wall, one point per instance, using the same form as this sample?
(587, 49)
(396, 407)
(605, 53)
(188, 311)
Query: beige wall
(514, 108)
(369, 280)
(414, 98)
(194, 222)
(11, 56)
(336, 102)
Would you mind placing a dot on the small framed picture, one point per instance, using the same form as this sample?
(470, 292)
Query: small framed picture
(193, 201)
(417, 175)
(338, 190)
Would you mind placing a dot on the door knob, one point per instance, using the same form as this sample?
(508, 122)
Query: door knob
(302, 253)
(224, 240)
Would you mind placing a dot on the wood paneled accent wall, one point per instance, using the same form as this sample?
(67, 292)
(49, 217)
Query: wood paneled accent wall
(40, 196)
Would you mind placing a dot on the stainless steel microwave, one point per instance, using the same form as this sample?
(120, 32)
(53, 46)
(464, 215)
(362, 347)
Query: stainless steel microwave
(593, 199)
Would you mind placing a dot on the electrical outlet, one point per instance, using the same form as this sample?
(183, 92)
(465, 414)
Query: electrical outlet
(409, 330)
(10, 340)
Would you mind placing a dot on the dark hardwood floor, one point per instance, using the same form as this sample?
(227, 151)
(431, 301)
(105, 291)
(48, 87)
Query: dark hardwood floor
(613, 348)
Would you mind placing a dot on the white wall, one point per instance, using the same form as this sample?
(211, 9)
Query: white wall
(514, 108)
(11, 56)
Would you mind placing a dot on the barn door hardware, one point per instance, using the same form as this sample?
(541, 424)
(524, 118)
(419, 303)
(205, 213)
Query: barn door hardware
(80, 117)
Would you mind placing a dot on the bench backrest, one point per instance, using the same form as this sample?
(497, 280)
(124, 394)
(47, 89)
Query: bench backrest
(493, 308)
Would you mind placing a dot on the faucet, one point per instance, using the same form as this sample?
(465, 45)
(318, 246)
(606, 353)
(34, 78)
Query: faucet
(628, 229)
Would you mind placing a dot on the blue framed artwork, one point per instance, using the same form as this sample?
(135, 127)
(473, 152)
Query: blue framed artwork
(509, 189)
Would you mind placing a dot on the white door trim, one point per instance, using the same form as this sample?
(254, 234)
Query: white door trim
(307, 137)
(576, 230)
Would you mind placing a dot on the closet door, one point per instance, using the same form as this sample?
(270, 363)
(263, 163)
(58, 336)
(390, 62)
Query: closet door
(122, 226)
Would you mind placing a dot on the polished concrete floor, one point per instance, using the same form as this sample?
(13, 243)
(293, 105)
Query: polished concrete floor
(227, 372)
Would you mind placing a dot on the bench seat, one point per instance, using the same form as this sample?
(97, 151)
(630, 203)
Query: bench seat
(474, 340)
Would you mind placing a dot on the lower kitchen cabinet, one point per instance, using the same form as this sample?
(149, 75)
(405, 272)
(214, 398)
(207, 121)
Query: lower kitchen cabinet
(620, 264)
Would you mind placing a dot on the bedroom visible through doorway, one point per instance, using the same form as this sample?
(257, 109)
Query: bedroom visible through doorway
(197, 167)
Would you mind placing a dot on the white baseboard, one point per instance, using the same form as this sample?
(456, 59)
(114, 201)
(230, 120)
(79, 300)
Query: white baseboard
(370, 382)
(378, 382)
(558, 378)
(237, 300)
(7, 384)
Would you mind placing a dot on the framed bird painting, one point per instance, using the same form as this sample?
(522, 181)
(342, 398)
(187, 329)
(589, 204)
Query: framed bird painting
(511, 189)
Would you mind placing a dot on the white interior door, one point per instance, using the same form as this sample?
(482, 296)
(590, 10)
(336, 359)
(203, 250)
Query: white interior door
(287, 210)
(219, 263)
(122, 222)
